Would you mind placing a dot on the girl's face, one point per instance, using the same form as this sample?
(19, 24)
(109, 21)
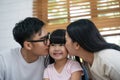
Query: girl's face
(58, 51)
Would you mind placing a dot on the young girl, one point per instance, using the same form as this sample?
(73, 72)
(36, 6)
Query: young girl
(60, 67)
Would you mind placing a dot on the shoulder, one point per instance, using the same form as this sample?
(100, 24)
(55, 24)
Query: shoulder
(105, 61)
(4, 52)
(73, 66)
(50, 66)
(9, 53)
(109, 57)
(108, 53)
(108, 50)
(72, 62)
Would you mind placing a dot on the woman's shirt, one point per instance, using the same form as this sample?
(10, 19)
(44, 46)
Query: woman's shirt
(106, 65)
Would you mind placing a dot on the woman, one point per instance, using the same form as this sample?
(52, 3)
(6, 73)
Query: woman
(84, 40)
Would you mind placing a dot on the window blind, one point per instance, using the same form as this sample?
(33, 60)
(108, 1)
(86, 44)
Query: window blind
(104, 13)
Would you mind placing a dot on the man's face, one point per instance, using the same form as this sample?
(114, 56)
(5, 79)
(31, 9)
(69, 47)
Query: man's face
(40, 48)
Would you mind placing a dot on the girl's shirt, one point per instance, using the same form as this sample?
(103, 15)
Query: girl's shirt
(70, 67)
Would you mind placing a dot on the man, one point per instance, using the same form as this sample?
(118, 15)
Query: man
(27, 62)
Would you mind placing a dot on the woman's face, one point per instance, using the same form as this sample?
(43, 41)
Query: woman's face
(69, 45)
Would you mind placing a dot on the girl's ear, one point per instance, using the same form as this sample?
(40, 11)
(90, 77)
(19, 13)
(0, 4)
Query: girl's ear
(27, 45)
(76, 45)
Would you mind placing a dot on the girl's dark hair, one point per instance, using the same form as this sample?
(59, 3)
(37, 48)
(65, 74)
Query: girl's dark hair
(88, 37)
(56, 37)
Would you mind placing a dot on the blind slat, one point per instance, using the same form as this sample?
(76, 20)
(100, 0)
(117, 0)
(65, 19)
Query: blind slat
(104, 13)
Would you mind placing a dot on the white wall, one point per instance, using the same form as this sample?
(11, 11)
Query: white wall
(12, 11)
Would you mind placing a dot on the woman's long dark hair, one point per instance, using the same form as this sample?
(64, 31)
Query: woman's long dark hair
(88, 37)
(81, 63)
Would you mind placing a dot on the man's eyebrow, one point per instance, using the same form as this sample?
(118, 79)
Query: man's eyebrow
(47, 35)
(44, 36)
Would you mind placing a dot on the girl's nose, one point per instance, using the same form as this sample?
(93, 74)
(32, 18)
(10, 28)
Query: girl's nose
(56, 47)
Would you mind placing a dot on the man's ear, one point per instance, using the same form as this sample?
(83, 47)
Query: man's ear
(27, 45)
(76, 45)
